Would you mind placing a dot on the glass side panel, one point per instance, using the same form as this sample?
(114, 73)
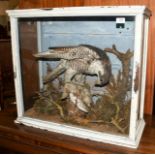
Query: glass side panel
(77, 70)
(29, 66)
(139, 79)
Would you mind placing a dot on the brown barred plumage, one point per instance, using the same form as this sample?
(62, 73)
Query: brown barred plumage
(82, 59)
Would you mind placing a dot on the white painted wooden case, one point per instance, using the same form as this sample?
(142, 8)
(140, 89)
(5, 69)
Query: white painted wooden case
(140, 14)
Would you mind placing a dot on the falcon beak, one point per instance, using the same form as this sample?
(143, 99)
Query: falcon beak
(99, 80)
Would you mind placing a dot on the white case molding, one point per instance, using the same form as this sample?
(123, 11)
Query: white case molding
(142, 15)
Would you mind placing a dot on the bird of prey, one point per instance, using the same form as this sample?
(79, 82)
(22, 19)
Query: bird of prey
(76, 61)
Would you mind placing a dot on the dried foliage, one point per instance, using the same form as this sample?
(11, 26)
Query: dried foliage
(112, 107)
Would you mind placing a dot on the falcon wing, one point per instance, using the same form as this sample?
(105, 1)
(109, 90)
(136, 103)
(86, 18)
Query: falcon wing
(69, 53)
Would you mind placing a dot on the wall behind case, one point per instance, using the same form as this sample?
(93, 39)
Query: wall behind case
(151, 54)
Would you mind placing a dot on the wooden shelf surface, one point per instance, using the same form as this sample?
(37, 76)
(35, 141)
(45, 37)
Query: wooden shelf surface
(23, 139)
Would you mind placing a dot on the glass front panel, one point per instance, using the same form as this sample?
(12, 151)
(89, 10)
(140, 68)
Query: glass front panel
(78, 70)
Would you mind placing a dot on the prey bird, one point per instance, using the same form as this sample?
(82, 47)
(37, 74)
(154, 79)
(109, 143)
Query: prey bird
(77, 61)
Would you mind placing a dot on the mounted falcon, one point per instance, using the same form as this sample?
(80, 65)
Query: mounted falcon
(78, 60)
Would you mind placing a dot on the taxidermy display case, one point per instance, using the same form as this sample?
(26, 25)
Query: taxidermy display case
(81, 71)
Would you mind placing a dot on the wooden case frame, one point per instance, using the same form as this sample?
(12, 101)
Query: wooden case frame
(141, 14)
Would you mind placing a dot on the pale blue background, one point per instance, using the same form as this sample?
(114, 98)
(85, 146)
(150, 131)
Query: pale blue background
(101, 34)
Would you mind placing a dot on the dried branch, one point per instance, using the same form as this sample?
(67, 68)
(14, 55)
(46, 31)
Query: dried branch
(125, 59)
(120, 55)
